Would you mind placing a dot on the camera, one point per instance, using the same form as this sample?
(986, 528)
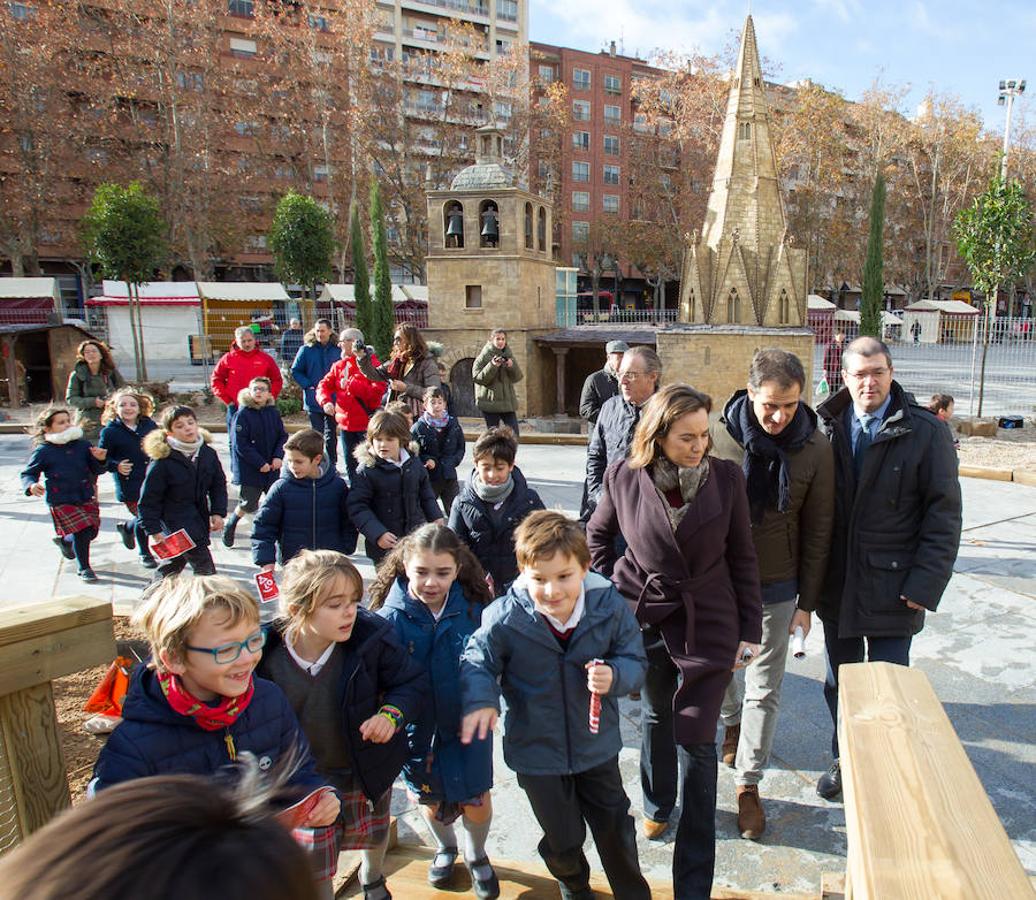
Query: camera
(359, 347)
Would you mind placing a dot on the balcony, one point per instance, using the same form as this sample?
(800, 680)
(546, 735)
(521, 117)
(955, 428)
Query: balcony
(462, 7)
(616, 317)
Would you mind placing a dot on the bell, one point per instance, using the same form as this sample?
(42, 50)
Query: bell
(455, 225)
(490, 231)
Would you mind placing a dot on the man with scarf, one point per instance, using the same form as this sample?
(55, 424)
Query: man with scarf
(789, 471)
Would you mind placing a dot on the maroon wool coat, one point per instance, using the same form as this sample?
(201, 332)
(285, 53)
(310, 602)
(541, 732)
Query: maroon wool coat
(699, 585)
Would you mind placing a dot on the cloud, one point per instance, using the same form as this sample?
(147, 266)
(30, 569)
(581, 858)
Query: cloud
(846, 10)
(942, 29)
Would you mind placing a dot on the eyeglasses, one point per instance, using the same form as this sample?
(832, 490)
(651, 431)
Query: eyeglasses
(632, 376)
(228, 653)
(870, 373)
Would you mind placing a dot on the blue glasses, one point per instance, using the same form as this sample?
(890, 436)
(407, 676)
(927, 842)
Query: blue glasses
(228, 653)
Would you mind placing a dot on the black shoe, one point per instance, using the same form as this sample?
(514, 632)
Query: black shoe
(485, 888)
(377, 890)
(439, 876)
(126, 531)
(149, 562)
(829, 786)
(67, 550)
(88, 576)
(228, 532)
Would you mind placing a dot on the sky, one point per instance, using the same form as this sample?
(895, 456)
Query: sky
(956, 46)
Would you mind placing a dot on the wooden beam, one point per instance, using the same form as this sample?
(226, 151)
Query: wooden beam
(918, 821)
(17, 623)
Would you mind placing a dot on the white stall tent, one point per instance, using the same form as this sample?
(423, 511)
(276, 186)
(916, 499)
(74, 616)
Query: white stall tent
(940, 320)
(169, 313)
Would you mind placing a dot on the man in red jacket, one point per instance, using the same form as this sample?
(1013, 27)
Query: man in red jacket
(237, 367)
(350, 396)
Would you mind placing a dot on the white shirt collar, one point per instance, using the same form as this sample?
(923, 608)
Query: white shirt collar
(403, 457)
(312, 668)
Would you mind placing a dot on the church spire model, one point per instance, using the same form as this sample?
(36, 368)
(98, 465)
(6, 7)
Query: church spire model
(741, 271)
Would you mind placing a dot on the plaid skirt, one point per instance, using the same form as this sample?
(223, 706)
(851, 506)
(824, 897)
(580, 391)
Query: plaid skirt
(71, 519)
(362, 825)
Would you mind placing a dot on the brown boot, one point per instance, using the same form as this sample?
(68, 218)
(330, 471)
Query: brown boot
(730, 737)
(751, 820)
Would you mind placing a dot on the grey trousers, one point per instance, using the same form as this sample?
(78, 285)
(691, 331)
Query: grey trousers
(753, 696)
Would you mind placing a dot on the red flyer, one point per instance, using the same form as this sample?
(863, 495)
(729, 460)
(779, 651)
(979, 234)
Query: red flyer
(295, 815)
(173, 545)
(267, 586)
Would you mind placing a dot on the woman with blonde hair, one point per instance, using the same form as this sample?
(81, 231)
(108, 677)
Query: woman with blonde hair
(689, 572)
(93, 377)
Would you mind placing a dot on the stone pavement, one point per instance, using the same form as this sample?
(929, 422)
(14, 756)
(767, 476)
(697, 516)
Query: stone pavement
(977, 651)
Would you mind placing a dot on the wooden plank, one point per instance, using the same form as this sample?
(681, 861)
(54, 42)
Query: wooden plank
(49, 656)
(918, 821)
(10, 826)
(20, 623)
(30, 735)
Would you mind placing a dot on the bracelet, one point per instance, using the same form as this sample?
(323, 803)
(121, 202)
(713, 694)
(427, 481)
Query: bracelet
(393, 713)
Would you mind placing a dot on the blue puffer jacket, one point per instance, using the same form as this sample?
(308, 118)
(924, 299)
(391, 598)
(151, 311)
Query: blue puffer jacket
(70, 469)
(123, 442)
(446, 447)
(546, 728)
(259, 437)
(377, 671)
(155, 740)
(303, 513)
(458, 772)
(312, 363)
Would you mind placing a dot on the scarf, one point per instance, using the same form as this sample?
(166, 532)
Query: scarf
(187, 449)
(493, 494)
(72, 433)
(438, 424)
(766, 462)
(666, 476)
(208, 718)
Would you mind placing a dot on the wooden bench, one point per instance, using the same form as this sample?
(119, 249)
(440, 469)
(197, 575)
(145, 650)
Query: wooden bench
(918, 821)
(39, 643)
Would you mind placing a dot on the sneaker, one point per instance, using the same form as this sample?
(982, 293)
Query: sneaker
(440, 872)
(67, 550)
(731, 735)
(149, 562)
(653, 829)
(128, 538)
(228, 533)
(88, 576)
(483, 879)
(829, 786)
(751, 820)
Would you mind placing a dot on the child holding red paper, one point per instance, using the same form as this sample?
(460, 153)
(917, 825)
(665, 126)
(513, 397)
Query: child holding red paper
(353, 687)
(561, 637)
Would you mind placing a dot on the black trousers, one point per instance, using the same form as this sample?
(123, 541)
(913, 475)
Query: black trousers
(659, 772)
(694, 852)
(509, 419)
(446, 491)
(200, 560)
(327, 426)
(564, 805)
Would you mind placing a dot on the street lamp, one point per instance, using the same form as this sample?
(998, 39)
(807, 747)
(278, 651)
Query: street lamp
(1008, 91)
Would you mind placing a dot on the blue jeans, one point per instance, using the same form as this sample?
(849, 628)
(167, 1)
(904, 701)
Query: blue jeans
(850, 650)
(326, 425)
(350, 441)
(231, 412)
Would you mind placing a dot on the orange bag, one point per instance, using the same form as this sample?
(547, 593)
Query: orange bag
(108, 695)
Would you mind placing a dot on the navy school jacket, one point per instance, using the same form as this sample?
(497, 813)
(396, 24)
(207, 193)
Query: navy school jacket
(123, 442)
(446, 447)
(70, 470)
(259, 437)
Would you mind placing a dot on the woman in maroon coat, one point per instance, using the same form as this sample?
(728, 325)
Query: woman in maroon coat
(689, 572)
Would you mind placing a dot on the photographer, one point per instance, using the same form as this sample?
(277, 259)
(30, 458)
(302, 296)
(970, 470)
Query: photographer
(496, 372)
(410, 370)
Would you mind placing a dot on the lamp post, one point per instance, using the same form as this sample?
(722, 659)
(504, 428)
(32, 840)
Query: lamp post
(1008, 91)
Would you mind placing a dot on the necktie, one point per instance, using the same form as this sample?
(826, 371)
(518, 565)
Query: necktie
(863, 441)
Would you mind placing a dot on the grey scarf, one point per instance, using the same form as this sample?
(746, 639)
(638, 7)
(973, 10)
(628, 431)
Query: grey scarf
(492, 494)
(187, 449)
(666, 476)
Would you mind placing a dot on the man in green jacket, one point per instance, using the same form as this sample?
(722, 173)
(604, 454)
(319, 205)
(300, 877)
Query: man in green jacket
(789, 474)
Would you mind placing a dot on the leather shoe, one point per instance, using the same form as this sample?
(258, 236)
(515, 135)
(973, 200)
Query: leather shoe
(229, 530)
(829, 786)
(487, 888)
(751, 820)
(67, 550)
(440, 872)
(731, 735)
(653, 829)
(128, 538)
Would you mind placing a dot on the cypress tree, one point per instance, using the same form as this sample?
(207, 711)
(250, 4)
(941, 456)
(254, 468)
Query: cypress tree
(874, 267)
(361, 277)
(383, 315)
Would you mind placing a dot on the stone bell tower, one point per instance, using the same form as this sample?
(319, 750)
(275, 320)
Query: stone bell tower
(741, 270)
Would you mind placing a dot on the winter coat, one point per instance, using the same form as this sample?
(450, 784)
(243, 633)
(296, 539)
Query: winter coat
(178, 493)
(424, 373)
(70, 471)
(445, 446)
(84, 389)
(236, 369)
(259, 437)
(494, 385)
(377, 670)
(123, 442)
(793, 545)
(355, 397)
(303, 513)
(546, 726)
(312, 362)
(490, 533)
(833, 366)
(386, 497)
(291, 342)
(458, 772)
(897, 531)
(609, 442)
(153, 739)
(599, 386)
(699, 586)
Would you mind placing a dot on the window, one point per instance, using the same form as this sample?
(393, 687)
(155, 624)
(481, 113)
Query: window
(744, 131)
(542, 168)
(502, 46)
(580, 171)
(611, 174)
(581, 79)
(256, 242)
(612, 115)
(581, 110)
(21, 11)
(581, 140)
(317, 23)
(611, 145)
(665, 127)
(190, 81)
(283, 171)
(242, 8)
(26, 143)
(321, 172)
(733, 307)
(246, 129)
(784, 308)
(473, 296)
(611, 203)
(243, 48)
(579, 260)
(612, 84)
(507, 9)
(580, 232)
(640, 122)
(546, 72)
(580, 201)
(502, 109)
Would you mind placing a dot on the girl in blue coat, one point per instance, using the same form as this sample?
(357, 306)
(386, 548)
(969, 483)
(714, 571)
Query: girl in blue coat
(257, 452)
(433, 590)
(127, 420)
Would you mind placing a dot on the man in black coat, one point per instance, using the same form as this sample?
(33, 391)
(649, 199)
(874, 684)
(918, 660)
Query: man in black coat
(603, 384)
(897, 521)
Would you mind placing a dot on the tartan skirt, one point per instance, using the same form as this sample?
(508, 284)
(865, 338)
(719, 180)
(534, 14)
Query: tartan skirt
(71, 519)
(362, 825)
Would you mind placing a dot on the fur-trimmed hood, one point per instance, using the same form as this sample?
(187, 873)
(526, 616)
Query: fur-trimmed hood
(157, 447)
(365, 456)
(244, 398)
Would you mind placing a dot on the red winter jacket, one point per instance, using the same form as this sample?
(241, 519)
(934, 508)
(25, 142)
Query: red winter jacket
(236, 368)
(350, 391)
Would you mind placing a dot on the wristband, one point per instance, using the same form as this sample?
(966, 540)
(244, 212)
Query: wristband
(393, 713)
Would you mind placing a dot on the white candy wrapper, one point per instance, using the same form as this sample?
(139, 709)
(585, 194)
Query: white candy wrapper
(798, 643)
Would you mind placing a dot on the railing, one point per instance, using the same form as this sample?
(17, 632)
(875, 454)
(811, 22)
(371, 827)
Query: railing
(459, 5)
(626, 317)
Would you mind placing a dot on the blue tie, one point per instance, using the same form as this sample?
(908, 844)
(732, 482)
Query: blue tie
(863, 441)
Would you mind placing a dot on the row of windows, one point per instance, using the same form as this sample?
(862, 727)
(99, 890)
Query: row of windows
(582, 110)
(246, 9)
(581, 172)
(581, 202)
(581, 141)
(581, 79)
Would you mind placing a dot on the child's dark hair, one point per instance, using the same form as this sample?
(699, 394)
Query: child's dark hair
(44, 420)
(940, 402)
(433, 393)
(400, 408)
(178, 411)
(388, 424)
(545, 533)
(432, 539)
(308, 442)
(498, 443)
(263, 380)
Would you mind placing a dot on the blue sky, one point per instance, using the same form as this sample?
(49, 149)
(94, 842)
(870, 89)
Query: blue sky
(953, 45)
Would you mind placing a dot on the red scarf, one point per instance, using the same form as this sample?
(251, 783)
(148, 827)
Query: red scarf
(210, 718)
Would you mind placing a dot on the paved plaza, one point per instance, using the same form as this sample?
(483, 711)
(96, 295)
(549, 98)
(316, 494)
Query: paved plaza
(977, 651)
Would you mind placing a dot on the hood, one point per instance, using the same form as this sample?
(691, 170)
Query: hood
(365, 456)
(593, 584)
(244, 398)
(326, 476)
(399, 598)
(156, 446)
